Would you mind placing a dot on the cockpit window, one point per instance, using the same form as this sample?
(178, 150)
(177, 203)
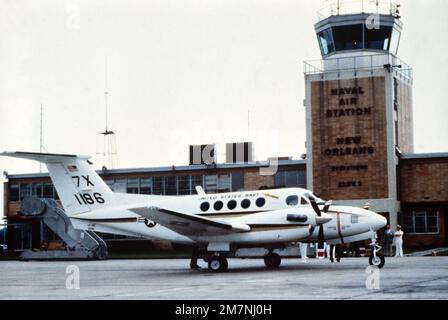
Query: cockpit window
(311, 196)
(292, 200)
(303, 200)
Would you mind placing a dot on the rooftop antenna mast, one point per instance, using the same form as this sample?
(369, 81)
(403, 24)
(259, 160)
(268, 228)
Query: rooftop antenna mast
(109, 142)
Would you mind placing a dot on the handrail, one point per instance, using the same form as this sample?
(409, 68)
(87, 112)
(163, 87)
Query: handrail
(339, 7)
(359, 63)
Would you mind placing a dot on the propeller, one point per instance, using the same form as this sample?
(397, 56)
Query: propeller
(321, 218)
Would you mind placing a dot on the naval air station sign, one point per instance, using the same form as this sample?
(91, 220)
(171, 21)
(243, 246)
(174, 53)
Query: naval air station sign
(349, 138)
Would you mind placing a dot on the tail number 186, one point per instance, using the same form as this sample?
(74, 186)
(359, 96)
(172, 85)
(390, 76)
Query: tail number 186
(86, 198)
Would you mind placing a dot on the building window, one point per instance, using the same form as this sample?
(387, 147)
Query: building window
(183, 184)
(37, 190)
(421, 222)
(132, 186)
(14, 192)
(196, 181)
(211, 183)
(231, 204)
(378, 39)
(205, 206)
(224, 183)
(48, 191)
(290, 179)
(245, 203)
(218, 205)
(326, 41)
(145, 185)
(260, 202)
(25, 190)
(170, 186)
(158, 185)
(348, 37)
(120, 186)
(292, 200)
(237, 181)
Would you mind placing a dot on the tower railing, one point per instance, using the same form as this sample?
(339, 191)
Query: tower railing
(341, 7)
(359, 63)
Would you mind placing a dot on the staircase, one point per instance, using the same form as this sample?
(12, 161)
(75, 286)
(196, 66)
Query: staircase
(80, 244)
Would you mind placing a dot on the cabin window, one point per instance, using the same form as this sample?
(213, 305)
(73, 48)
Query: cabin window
(354, 219)
(292, 200)
(303, 200)
(231, 204)
(218, 205)
(260, 202)
(245, 203)
(205, 206)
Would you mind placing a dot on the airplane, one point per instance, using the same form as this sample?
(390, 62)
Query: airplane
(218, 224)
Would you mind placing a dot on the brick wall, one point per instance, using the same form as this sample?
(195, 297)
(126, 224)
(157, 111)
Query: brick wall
(254, 181)
(423, 180)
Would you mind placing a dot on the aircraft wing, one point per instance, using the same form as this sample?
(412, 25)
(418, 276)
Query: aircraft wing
(189, 224)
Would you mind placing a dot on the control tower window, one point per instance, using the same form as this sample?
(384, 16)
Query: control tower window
(348, 37)
(395, 40)
(326, 41)
(378, 39)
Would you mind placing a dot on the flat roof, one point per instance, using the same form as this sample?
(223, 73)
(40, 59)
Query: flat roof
(433, 155)
(172, 169)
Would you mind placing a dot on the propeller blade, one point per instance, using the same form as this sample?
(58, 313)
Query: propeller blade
(315, 207)
(327, 206)
(320, 238)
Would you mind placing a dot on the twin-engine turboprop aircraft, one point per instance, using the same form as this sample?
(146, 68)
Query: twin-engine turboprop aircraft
(218, 223)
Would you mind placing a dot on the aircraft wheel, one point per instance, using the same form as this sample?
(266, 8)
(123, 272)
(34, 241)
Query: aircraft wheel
(272, 260)
(218, 264)
(377, 261)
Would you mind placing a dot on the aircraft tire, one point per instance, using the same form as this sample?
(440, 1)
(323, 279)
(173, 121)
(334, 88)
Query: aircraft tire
(380, 261)
(272, 260)
(217, 264)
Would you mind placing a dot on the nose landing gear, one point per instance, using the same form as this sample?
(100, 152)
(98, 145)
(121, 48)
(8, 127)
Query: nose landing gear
(376, 259)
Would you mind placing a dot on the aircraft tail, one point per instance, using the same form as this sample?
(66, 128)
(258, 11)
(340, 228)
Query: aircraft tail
(79, 187)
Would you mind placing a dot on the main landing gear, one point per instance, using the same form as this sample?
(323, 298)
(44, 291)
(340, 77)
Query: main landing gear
(272, 260)
(218, 263)
(376, 259)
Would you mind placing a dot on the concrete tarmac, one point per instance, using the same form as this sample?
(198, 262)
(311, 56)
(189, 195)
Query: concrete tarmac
(401, 278)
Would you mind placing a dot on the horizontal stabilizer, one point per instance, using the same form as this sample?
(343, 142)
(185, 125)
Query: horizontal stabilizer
(43, 157)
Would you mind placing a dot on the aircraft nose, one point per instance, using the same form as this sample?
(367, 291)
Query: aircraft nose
(378, 221)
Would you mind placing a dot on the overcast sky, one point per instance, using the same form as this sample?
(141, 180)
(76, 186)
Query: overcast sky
(184, 72)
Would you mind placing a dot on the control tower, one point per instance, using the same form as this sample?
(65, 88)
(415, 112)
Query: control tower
(358, 106)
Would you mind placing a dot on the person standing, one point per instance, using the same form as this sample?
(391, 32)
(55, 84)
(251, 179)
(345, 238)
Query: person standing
(335, 252)
(303, 251)
(194, 258)
(388, 239)
(398, 236)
